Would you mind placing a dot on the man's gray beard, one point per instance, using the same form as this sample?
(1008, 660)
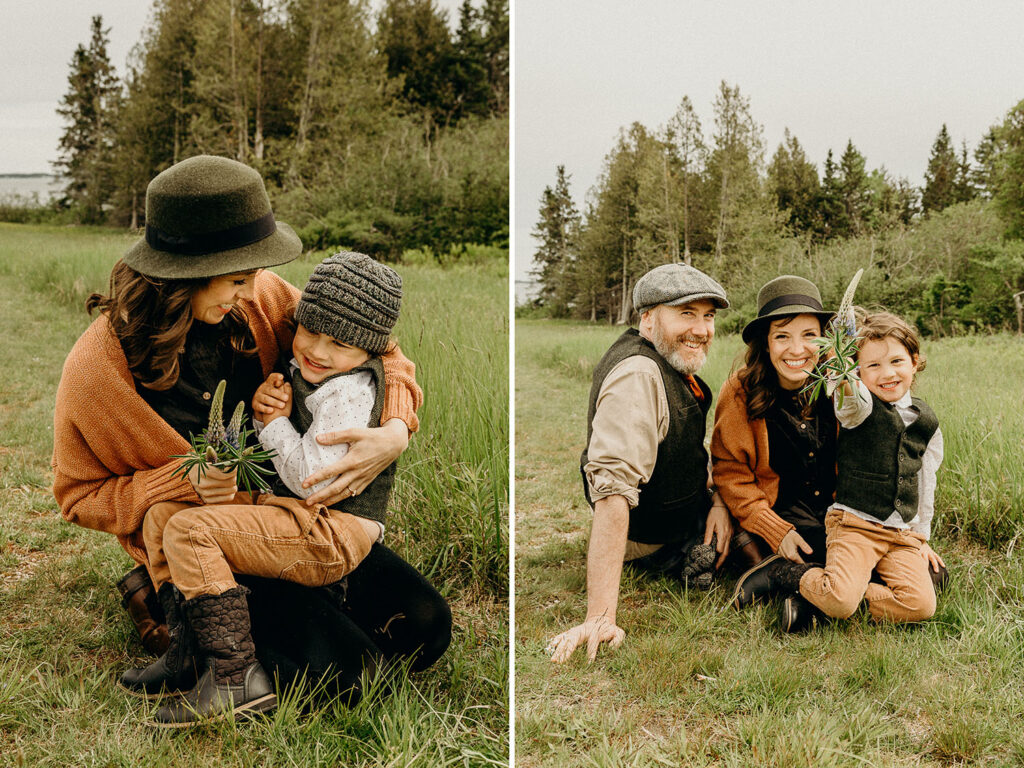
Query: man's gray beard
(672, 355)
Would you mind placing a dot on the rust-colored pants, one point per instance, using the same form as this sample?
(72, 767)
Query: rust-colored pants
(853, 548)
(199, 548)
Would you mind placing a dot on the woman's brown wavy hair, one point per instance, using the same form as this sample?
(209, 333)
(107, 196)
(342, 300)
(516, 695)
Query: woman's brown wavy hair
(758, 377)
(151, 316)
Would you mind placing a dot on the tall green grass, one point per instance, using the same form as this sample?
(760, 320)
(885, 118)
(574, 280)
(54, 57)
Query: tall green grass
(697, 684)
(64, 639)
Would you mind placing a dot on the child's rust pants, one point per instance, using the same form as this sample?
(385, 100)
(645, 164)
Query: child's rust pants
(853, 548)
(199, 548)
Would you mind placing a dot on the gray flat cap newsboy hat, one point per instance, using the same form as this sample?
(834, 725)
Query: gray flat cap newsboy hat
(675, 284)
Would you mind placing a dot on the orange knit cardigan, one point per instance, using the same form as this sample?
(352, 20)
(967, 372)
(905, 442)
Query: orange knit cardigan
(111, 451)
(740, 469)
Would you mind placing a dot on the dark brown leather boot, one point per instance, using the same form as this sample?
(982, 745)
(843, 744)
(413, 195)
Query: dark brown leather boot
(174, 671)
(136, 595)
(233, 681)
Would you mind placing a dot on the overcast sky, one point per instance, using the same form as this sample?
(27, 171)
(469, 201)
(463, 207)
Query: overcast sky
(885, 74)
(37, 41)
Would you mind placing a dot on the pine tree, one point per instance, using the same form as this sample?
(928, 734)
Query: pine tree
(940, 178)
(87, 147)
(685, 138)
(963, 186)
(1009, 176)
(413, 35)
(793, 180)
(834, 219)
(557, 232)
(734, 166)
(854, 189)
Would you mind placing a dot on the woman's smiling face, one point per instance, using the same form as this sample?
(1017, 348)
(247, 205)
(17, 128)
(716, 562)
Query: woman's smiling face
(212, 302)
(792, 350)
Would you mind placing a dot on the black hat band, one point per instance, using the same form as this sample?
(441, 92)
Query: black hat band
(788, 299)
(212, 242)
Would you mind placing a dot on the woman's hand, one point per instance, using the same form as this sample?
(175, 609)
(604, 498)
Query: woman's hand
(791, 546)
(370, 450)
(593, 632)
(719, 522)
(213, 486)
(929, 554)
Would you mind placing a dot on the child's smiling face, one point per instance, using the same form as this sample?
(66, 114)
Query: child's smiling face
(886, 368)
(320, 355)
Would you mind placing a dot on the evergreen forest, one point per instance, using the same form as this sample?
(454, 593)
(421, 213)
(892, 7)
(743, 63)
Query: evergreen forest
(378, 130)
(948, 255)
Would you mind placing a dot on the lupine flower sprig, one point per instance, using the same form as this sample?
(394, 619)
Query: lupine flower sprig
(837, 350)
(226, 447)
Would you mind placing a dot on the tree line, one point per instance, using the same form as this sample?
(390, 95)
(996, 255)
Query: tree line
(378, 131)
(949, 255)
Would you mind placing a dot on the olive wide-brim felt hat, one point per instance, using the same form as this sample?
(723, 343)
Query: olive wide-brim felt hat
(208, 216)
(786, 295)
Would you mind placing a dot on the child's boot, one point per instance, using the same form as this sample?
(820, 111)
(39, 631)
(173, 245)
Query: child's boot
(798, 614)
(233, 681)
(176, 669)
(940, 579)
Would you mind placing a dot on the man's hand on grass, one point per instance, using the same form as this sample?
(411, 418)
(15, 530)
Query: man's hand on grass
(593, 632)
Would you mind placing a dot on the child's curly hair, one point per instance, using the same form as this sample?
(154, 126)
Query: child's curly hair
(876, 326)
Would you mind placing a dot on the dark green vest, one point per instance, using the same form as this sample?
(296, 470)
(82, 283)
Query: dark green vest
(372, 503)
(675, 501)
(879, 460)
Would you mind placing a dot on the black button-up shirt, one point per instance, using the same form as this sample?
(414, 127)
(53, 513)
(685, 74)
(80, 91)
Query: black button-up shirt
(802, 452)
(207, 358)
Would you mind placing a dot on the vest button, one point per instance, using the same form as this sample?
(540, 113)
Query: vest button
(817, 493)
(811, 454)
(207, 395)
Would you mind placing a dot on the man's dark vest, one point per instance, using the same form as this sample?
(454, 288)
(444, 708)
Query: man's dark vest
(880, 459)
(675, 501)
(373, 501)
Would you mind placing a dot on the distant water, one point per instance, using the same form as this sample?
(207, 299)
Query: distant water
(43, 187)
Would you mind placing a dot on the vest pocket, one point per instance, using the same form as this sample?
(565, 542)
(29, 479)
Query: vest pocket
(871, 477)
(683, 501)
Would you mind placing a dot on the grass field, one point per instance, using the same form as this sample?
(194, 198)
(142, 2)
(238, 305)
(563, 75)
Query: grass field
(64, 638)
(696, 684)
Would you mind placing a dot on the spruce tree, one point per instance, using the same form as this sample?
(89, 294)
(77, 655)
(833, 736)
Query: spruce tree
(87, 147)
(940, 179)
(556, 231)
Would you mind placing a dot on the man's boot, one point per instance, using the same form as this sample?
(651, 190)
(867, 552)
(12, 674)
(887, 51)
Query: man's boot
(773, 574)
(175, 670)
(136, 595)
(233, 681)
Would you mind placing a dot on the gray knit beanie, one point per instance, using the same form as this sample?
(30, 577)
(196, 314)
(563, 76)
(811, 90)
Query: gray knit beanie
(354, 299)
